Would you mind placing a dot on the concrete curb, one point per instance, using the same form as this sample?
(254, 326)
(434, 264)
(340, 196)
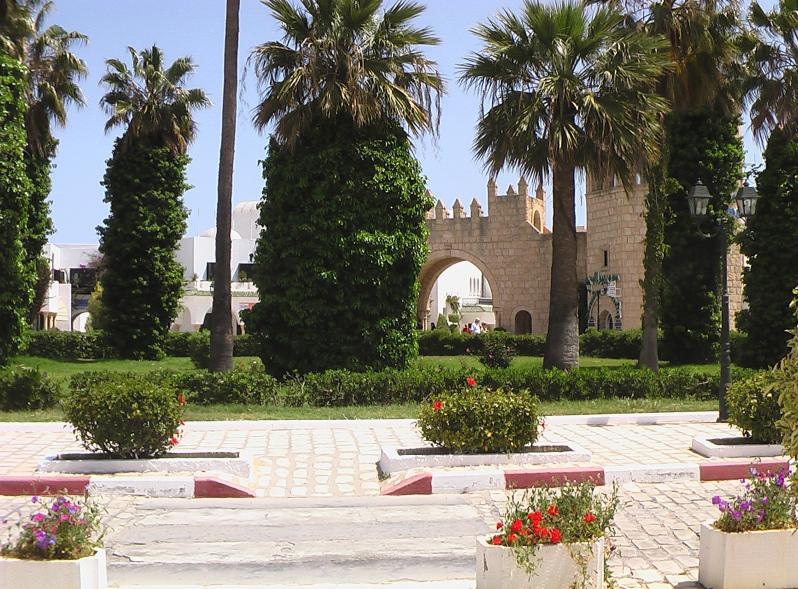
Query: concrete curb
(497, 480)
(281, 424)
(185, 487)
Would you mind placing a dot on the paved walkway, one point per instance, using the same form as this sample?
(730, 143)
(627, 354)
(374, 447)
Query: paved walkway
(375, 540)
(337, 458)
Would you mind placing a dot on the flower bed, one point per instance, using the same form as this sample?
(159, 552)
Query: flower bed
(551, 538)
(761, 524)
(59, 546)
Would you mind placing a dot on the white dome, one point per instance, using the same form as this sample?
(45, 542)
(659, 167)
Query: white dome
(212, 233)
(248, 206)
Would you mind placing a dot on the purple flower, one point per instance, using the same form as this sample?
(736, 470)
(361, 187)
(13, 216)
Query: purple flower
(764, 501)
(737, 516)
(716, 500)
(746, 505)
(34, 499)
(760, 515)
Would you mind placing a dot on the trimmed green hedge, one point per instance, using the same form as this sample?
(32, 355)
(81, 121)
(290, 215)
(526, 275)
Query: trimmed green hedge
(252, 385)
(595, 343)
(91, 345)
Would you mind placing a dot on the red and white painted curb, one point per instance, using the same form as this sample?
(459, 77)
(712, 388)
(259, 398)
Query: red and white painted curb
(428, 483)
(184, 487)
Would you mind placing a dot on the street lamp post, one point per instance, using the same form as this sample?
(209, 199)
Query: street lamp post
(698, 200)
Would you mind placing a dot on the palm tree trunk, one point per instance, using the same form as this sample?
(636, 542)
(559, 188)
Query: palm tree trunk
(562, 338)
(652, 261)
(221, 321)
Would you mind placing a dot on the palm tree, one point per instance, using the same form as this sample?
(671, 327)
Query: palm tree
(221, 327)
(145, 181)
(772, 87)
(702, 48)
(566, 88)
(348, 77)
(342, 57)
(53, 70)
(150, 101)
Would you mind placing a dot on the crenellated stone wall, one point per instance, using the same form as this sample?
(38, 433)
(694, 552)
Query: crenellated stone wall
(511, 245)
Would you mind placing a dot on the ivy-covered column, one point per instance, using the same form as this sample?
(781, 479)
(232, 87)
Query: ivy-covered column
(16, 276)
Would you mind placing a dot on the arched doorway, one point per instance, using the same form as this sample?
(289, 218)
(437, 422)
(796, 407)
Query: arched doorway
(461, 278)
(606, 320)
(523, 322)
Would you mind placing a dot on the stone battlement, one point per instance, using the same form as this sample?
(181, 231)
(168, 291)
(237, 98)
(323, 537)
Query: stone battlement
(515, 207)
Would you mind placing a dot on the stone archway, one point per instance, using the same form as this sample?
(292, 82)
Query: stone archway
(436, 264)
(522, 322)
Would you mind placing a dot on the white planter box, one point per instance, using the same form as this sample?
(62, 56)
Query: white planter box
(85, 573)
(394, 459)
(554, 567)
(713, 447)
(745, 560)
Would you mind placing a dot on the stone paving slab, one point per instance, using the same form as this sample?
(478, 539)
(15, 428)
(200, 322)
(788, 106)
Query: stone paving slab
(337, 458)
(375, 540)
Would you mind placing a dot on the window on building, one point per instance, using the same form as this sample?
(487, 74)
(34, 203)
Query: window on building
(606, 258)
(210, 270)
(245, 272)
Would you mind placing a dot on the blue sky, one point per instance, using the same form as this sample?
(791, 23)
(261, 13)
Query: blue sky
(196, 28)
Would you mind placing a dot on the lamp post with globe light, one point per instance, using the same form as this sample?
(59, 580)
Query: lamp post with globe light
(698, 200)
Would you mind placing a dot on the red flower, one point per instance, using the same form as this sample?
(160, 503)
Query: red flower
(471, 382)
(497, 540)
(174, 441)
(499, 526)
(517, 525)
(543, 533)
(181, 399)
(552, 510)
(437, 406)
(511, 538)
(525, 532)
(535, 518)
(556, 536)
(589, 517)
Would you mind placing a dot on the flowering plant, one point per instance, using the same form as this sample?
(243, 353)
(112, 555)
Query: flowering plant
(570, 514)
(63, 530)
(766, 504)
(477, 419)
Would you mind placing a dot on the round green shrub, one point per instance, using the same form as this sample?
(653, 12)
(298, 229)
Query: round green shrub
(124, 415)
(199, 349)
(754, 408)
(23, 388)
(477, 420)
(496, 352)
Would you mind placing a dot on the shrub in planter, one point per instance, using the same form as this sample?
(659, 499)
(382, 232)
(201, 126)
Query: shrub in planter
(23, 388)
(63, 530)
(125, 415)
(754, 408)
(759, 523)
(477, 419)
(766, 504)
(495, 351)
(538, 521)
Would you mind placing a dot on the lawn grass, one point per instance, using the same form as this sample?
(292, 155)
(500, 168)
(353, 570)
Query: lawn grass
(62, 370)
(406, 411)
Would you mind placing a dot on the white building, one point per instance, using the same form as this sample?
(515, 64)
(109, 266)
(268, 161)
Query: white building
(66, 302)
(464, 281)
